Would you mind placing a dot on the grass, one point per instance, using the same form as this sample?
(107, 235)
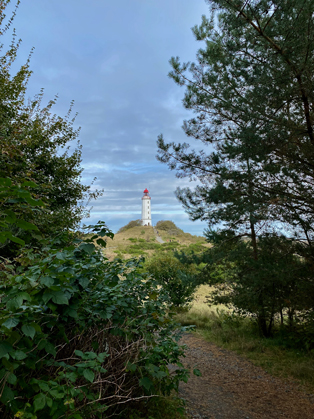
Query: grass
(170, 407)
(141, 240)
(279, 355)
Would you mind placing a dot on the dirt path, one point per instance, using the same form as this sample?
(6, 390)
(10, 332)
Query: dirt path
(233, 388)
(158, 238)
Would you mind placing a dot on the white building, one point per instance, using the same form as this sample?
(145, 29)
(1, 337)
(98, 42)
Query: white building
(146, 209)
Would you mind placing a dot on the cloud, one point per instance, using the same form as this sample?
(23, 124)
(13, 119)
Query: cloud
(112, 57)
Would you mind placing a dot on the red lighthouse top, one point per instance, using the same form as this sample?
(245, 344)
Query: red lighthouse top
(146, 196)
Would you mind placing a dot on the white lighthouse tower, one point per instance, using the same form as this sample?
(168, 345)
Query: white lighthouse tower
(146, 209)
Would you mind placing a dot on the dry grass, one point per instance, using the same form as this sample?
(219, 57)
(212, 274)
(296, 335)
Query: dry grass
(117, 245)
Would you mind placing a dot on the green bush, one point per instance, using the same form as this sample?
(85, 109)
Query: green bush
(177, 279)
(169, 227)
(273, 287)
(78, 333)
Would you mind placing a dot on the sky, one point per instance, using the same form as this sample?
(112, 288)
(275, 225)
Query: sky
(112, 58)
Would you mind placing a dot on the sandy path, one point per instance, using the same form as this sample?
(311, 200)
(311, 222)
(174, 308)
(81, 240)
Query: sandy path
(233, 388)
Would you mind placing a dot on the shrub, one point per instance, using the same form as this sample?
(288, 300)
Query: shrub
(276, 285)
(169, 227)
(80, 334)
(177, 279)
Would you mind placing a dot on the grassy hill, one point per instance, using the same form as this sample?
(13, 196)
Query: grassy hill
(142, 240)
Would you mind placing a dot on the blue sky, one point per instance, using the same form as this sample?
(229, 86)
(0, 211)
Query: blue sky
(112, 59)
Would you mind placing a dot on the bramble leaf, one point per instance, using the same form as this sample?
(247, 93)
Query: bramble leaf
(89, 375)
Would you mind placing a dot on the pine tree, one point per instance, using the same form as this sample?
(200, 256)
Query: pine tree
(252, 92)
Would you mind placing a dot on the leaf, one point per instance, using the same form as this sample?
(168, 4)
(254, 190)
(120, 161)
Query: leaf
(55, 394)
(30, 184)
(24, 225)
(89, 375)
(43, 385)
(72, 376)
(61, 255)
(14, 303)
(34, 202)
(14, 337)
(14, 239)
(197, 372)
(39, 402)
(49, 401)
(10, 216)
(50, 349)
(59, 298)
(5, 348)
(47, 296)
(84, 282)
(24, 296)
(91, 355)
(7, 395)
(146, 383)
(11, 322)
(47, 280)
(28, 331)
(79, 353)
(153, 295)
(19, 355)
(5, 181)
(87, 247)
(12, 378)
(36, 327)
(71, 312)
(101, 242)
(7, 364)
(131, 367)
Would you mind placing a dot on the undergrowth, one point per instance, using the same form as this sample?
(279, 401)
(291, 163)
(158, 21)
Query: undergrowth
(82, 337)
(158, 408)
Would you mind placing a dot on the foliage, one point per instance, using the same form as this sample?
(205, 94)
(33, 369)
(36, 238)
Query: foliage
(177, 279)
(35, 148)
(193, 254)
(158, 408)
(251, 91)
(11, 196)
(275, 285)
(131, 224)
(169, 227)
(79, 335)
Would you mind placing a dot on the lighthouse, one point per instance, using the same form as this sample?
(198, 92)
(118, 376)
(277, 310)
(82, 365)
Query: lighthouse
(146, 209)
